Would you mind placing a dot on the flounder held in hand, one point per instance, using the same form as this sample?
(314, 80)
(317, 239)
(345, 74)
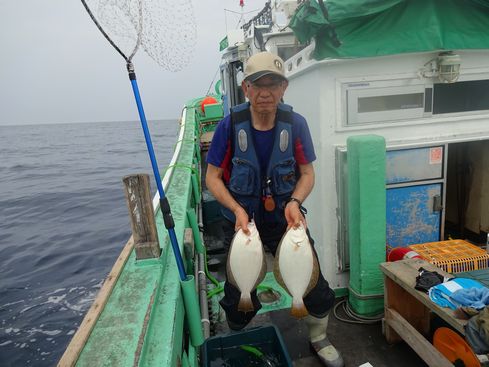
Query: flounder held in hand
(246, 266)
(296, 268)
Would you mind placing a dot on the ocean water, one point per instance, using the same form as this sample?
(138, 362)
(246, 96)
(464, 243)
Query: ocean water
(63, 222)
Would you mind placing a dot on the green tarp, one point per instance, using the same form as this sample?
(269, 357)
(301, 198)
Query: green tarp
(384, 27)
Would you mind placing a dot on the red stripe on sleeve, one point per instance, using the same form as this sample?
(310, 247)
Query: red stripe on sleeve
(299, 154)
(226, 163)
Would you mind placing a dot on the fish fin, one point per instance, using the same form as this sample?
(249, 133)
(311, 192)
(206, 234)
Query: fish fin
(231, 280)
(298, 309)
(276, 269)
(263, 271)
(280, 280)
(245, 304)
(229, 272)
(314, 275)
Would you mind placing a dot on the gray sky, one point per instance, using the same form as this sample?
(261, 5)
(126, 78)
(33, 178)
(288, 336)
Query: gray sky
(55, 66)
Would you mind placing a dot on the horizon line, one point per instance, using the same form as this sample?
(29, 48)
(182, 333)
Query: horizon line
(81, 122)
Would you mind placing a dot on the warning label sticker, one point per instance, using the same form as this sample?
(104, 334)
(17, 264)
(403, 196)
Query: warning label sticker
(436, 155)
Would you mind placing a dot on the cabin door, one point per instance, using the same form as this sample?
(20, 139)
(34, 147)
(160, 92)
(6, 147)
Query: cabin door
(412, 215)
(415, 197)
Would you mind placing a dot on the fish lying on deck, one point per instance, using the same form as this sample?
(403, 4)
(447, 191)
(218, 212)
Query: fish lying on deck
(246, 266)
(296, 268)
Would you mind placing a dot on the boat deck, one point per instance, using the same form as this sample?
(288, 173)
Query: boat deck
(358, 343)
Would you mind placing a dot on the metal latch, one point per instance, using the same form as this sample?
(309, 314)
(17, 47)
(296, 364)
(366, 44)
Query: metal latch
(437, 204)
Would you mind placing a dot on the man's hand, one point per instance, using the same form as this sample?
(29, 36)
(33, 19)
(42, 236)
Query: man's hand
(293, 215)
(241, 220)
(215, 184)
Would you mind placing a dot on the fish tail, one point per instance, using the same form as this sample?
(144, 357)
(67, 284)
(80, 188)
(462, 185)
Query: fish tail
(245, 304)
(298, 309)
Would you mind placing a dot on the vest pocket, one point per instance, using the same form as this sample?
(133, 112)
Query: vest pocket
(243, 177)
(284, 177)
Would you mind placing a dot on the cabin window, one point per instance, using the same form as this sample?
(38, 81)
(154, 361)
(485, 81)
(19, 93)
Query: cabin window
(367, 105)
(461, 97)
(388, 103)
(394, 101)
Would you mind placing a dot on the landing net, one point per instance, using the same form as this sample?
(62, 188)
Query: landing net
(164, 29)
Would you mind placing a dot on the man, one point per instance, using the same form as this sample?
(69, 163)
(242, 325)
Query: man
(260, 167)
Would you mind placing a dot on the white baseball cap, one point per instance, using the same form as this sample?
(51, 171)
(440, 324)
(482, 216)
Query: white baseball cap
(263, 63)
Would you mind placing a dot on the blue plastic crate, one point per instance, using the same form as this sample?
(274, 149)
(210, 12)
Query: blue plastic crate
(227, 348)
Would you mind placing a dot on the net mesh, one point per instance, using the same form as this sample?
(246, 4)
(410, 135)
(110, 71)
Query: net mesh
(165, 29)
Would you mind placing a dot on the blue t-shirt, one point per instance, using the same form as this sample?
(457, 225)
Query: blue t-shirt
(220, 153)
(263, 142)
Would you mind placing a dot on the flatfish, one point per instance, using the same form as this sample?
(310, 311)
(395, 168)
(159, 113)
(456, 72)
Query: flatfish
(296, 268)
(246, 266)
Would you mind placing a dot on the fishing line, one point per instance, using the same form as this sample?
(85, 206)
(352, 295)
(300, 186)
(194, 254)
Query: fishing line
(212, 82)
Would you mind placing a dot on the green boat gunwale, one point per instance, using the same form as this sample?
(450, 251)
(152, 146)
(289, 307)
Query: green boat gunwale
(135, 290)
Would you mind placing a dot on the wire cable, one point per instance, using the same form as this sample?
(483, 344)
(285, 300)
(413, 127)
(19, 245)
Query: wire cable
(353, 317)
(212, 82)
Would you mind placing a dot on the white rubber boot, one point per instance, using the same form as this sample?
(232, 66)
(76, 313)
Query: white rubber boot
(326, 352)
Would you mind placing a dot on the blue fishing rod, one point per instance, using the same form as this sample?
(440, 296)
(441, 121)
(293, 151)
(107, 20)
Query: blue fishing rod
(164, 204)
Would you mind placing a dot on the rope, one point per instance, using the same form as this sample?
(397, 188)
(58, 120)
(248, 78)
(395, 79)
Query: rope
(184, 140)
(179, 165)
(192, 169)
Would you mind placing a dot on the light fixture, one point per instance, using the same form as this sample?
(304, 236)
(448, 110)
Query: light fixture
(448, 67)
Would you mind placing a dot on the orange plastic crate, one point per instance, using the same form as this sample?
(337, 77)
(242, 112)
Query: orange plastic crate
(454, 256)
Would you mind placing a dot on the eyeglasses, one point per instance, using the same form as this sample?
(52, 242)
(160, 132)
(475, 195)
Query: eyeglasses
(272, 87)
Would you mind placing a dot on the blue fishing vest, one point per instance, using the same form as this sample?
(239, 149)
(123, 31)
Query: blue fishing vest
(246, 183)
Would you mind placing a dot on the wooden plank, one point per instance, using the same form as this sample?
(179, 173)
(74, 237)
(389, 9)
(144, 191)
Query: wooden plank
(415, 340)
(416, 313)
(404, 274)
(76, 345)
(143, 225)
(389, 294)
